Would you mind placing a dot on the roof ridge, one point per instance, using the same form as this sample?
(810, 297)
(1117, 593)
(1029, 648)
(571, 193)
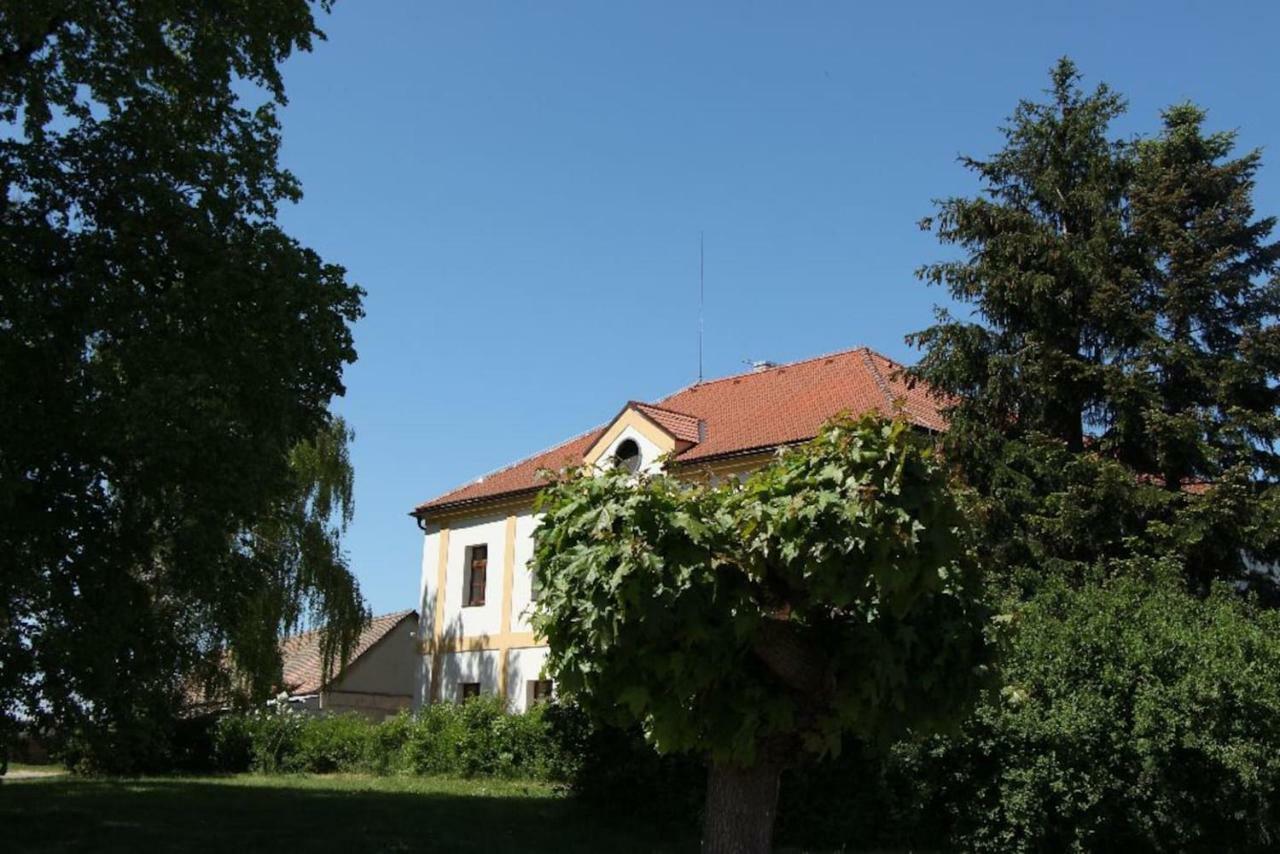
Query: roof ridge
(399, 615)
(880, 381)
(757, 372)
(664, 408)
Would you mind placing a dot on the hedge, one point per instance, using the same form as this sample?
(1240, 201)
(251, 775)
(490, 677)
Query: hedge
(474, 739)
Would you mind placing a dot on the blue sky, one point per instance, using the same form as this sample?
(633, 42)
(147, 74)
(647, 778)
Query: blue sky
(520, 187)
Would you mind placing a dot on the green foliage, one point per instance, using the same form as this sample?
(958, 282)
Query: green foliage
(618, 771)
(166, 355)
(473, 739)
(1134, 716)
(1124, 327)
(1113, 403)
(829, 592)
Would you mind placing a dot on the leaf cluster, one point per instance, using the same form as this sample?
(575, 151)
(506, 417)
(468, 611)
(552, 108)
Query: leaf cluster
(830, 592)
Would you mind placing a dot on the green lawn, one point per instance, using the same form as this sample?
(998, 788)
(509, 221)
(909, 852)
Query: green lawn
(248, 813)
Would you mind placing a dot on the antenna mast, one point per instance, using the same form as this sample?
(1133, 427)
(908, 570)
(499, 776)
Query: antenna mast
(702, 290)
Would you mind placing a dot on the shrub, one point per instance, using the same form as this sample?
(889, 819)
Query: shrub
(232, 746)
(385, 746)
(475, 739)
(617, 770)
(479, 738)
(328, 743)
(1134, 715)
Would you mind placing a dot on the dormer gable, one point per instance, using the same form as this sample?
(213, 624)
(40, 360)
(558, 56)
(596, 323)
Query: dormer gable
(642, 434)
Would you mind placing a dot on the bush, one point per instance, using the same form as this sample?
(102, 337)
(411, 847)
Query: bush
(329, 743)
(617, 770)
(1136, 716)
(231, 745)
(477, 738)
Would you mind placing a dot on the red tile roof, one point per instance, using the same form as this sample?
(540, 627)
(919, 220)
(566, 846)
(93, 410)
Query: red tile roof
(789, 403)
(300, 654)
(685, 427)
(739, 414)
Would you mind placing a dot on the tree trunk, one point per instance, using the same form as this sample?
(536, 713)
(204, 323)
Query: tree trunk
(741, 806)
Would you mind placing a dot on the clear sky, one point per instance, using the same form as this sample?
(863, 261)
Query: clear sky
(520, 187)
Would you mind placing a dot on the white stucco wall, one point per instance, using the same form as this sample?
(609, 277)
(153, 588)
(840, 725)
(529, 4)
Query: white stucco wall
(459, 667)
(523, 665)
(427, 584)
(649, 452)
(522, 580)
(467, 621)
(485, 619)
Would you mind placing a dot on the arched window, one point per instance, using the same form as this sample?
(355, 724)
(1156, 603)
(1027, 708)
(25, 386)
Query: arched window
(627, 455)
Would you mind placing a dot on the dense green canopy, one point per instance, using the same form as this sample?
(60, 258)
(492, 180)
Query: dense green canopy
(1114, 392)
(830, 593)
(170, 479)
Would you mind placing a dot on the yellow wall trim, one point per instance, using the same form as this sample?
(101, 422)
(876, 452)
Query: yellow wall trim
(630, 417)
(496, 506)
(481, 643)
(437, 629)
(508, 579)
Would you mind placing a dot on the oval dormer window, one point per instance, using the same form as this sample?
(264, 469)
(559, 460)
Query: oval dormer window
(627, 455)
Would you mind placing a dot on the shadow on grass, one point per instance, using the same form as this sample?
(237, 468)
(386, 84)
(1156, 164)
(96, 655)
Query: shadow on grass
(246, 815)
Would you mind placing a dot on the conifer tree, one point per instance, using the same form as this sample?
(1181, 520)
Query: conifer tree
(1208, 363)
(1114, 394)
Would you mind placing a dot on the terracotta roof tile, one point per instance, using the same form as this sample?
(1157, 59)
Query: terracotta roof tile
(789, 403)
(752, 411)
(301, 659)
(685, 427)
(518, 477)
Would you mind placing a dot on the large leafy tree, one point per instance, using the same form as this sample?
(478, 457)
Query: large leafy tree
(166, 354)
(1113, 392)
(756, 623)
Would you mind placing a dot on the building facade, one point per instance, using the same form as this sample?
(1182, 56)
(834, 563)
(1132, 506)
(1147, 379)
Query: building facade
(477, 592)
(379, 678)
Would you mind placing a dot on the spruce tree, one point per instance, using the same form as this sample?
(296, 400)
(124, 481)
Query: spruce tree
(1212, 351)
(1114, 393)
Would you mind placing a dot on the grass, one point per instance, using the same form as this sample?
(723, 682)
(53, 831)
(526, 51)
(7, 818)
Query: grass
(247, 813)
(46, 768)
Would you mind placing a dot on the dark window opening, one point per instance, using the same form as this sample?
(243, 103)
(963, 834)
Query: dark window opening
(627, 455)
(539, 691)
(467, 690)
(477, 568)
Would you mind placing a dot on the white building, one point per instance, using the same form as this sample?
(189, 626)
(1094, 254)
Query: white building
(476, 590)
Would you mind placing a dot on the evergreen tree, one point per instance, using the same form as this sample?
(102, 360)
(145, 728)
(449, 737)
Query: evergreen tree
(1208, 399)
(1114, 394)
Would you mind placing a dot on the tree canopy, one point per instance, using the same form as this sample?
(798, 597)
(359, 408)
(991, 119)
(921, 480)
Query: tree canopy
(167, 358)
(1114, 392)
(830, 592)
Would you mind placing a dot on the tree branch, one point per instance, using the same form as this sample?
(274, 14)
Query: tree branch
(799, 664)
(19, 55)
